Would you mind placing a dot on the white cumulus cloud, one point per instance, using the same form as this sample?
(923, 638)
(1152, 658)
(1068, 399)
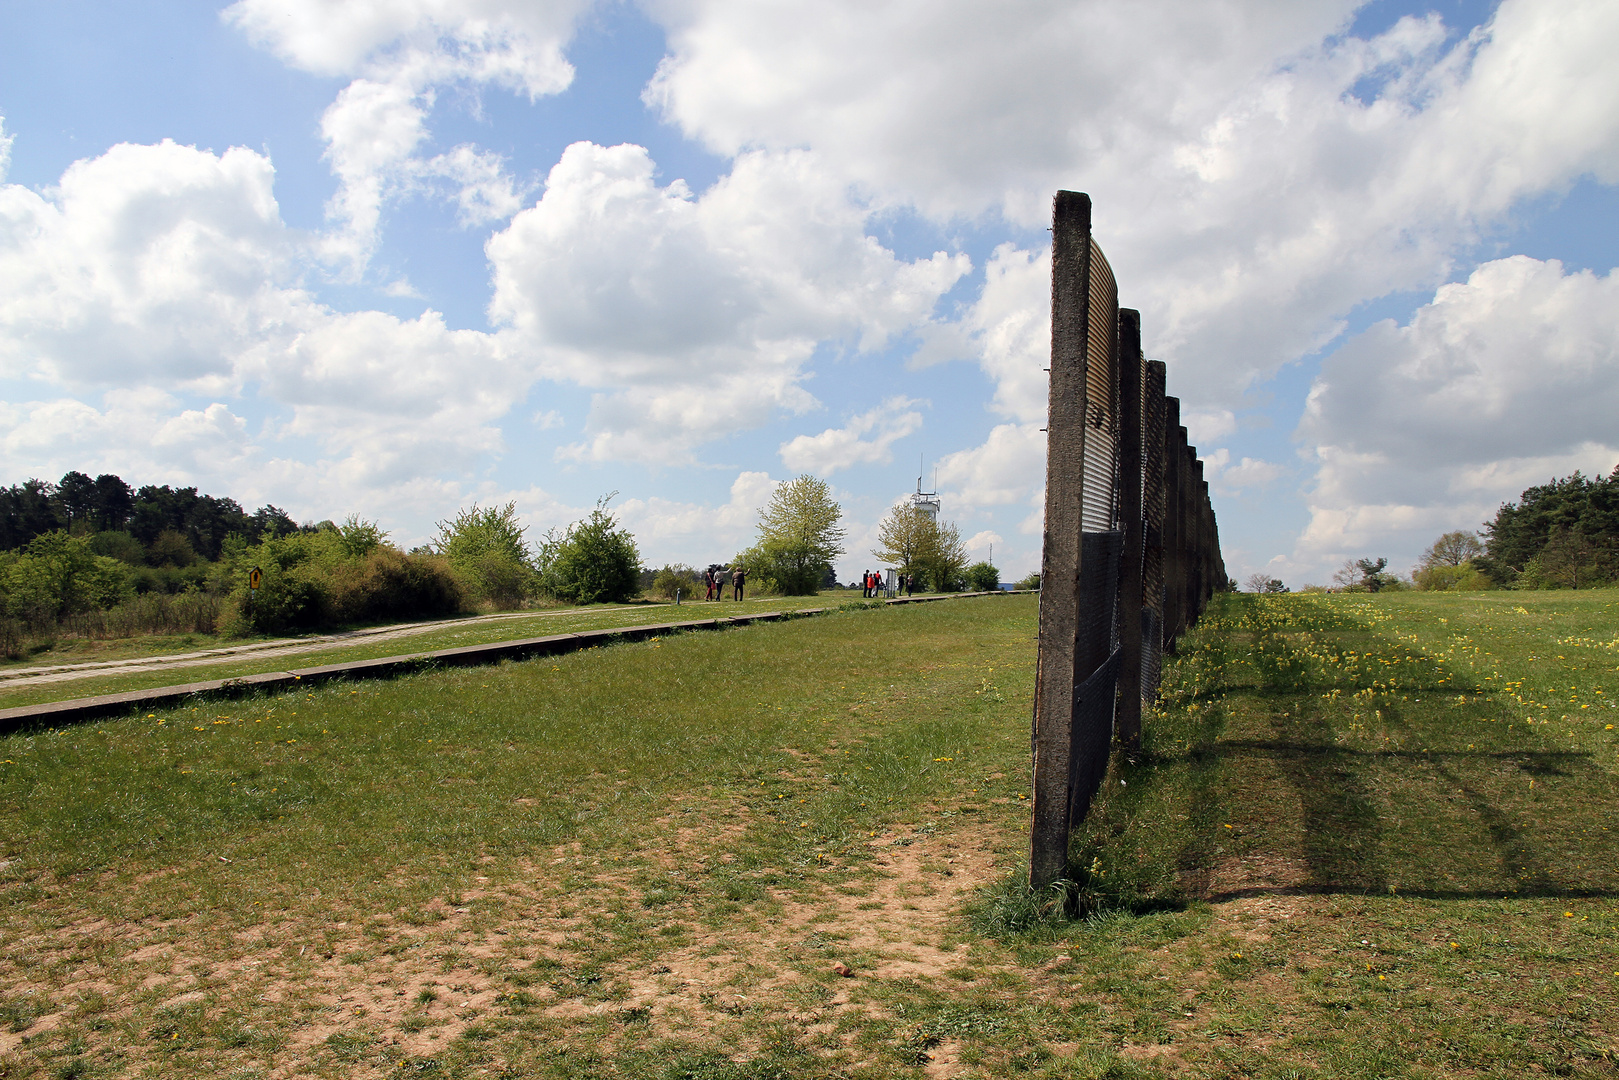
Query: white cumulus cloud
(848, 446)
(1257, 172)
(1502, 381)
(399, 55)
(694, 316)
(161, 279)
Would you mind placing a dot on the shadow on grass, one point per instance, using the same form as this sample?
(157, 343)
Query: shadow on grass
(1250, 784)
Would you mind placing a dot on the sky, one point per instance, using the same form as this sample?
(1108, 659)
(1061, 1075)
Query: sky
(397, 257)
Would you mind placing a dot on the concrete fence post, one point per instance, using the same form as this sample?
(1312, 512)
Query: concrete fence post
(1060, 564)
(1128, 719)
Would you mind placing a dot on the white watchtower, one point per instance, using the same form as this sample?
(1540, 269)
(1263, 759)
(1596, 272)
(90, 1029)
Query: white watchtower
(926, 501)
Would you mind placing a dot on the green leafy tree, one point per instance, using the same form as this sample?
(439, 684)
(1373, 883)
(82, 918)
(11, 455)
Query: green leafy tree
(1569, 560)
(58, 574)
(593, 561)
(486, 546)
(170, 548)
(799, 536)
(1521, 530)
(118, 545)
(943, 566)
(905, 537)
(983, 577)
(360, 537)
(918, 544)
(1448, 565)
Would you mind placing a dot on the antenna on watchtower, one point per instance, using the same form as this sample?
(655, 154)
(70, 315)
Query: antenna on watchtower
(926, 501)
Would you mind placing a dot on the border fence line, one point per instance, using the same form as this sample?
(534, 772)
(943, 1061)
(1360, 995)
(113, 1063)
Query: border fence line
(1131, 548)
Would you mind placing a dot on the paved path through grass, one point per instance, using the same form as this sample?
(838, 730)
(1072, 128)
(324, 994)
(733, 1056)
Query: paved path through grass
(28, 686)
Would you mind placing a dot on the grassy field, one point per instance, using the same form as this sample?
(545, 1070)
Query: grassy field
(16, 689)
(1366, 837)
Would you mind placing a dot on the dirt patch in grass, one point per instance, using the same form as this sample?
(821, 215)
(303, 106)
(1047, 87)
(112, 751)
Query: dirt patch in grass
(362, 992)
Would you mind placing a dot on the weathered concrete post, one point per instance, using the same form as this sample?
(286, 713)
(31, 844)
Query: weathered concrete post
(1152, 512)
(1174, 520)
(1198, 564)
(1060, 564)
(1127, 721)
(1189, 536)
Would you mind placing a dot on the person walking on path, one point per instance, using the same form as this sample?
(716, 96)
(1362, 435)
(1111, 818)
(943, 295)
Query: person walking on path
(708, 580)
(738, 579)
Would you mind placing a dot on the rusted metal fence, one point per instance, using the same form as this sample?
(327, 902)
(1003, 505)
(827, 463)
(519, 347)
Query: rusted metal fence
(1132, 553)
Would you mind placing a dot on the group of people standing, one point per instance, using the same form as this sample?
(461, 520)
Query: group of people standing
(873, 583)
(714, 579)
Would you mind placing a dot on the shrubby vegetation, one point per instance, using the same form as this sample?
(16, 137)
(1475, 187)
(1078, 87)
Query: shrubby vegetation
(592, 561)
(331, 576)
(983, 577)
(1450, 565)
(96, 558)
(915, 543)
(486, 548)
(677, 577)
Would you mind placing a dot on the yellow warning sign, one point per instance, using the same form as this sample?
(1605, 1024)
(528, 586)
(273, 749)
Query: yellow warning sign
(253, 578)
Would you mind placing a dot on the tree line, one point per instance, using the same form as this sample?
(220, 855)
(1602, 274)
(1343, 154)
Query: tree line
(172, 525)
(96, 557)
(1563, 534)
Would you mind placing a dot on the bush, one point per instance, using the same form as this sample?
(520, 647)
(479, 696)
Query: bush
(760, 570)
(57, 575)
(676, 577)
(1032, 581)
(289, 597)
(1440, 578)
(982, 577)
(174, 579)
(170, 548)
(486, 547)
(310, 580)
(388, 584)
(592, 562)
(360, 537)
(118, 545)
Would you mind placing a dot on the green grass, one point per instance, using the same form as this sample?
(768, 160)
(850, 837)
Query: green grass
(644, 859)
(539, 624)
(1405, 810)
